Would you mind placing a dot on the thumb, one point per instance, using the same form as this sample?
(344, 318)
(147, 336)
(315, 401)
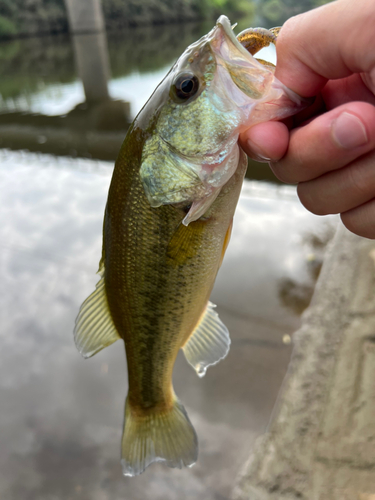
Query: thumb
(330, 42)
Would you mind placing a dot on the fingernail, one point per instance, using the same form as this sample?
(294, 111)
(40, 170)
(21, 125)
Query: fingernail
(257, 154)
(348, 131)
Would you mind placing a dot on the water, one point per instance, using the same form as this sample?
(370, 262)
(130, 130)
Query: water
(76, 96)
(61, 417)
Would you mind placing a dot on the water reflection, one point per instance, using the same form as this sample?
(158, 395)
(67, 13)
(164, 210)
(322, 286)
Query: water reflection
(94, 127)
(33, 70)
(61, 418)
(92, 62)
(83, 112)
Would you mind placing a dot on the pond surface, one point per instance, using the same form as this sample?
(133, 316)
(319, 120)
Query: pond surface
(61, 417)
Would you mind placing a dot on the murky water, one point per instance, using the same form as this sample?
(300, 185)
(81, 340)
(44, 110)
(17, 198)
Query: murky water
(60, 416)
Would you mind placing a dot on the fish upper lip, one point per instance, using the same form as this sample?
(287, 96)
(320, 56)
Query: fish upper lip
(223, 24)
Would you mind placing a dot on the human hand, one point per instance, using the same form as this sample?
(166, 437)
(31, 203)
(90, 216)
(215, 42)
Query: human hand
(330, 149)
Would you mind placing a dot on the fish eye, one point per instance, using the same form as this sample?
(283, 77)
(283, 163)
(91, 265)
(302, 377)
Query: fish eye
(185, 86)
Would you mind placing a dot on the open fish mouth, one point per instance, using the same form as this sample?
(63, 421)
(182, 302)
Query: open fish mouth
(250, 77)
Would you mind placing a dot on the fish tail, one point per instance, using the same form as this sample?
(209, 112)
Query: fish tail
(164, 436)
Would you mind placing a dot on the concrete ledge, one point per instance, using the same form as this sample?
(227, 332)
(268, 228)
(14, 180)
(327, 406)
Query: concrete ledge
(321, 442)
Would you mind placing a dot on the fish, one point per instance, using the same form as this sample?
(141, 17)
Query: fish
(167, 224)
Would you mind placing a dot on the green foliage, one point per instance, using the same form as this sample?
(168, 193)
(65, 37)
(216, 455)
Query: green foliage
(7, 8)
(7, 27)
(122, 13)
(273, 10)
(319, 3)
(28, 17)
(276, 12)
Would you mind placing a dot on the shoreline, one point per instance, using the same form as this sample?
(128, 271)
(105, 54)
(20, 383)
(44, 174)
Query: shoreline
(51, 17)
(110, 32)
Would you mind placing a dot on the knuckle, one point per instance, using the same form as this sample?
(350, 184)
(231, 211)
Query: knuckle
(311, 202)
(282, 173)
(304, 196)
(356, 179)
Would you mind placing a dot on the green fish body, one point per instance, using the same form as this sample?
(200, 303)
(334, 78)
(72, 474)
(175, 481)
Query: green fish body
(167, 224)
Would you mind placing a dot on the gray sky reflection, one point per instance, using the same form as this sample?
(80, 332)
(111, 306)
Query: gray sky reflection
(61, 416)
(268, 244)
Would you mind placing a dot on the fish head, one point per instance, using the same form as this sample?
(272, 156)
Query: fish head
(215, 90)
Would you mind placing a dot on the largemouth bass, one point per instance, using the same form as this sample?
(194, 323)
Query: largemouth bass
(167, 224)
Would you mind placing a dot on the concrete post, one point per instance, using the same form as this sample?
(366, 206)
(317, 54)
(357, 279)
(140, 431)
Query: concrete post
(85, 16)
(321, 443)
(91, 54)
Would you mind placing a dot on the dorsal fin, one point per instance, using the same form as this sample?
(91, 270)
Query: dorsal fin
(94, 328)
(209, 342)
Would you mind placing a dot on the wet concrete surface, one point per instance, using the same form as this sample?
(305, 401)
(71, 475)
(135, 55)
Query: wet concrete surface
(61, 416)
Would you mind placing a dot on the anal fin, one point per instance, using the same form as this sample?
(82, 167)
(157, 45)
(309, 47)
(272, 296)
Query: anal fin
(209, 342)
(94, 327)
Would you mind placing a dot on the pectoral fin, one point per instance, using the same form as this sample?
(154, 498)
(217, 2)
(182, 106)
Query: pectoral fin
(209, 342)
(94, 328)
(185, 242)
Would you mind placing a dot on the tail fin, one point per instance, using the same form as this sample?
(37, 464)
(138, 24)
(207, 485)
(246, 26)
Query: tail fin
(165, 437)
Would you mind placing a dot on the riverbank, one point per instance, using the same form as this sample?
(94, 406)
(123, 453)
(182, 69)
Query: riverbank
(41, 17)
